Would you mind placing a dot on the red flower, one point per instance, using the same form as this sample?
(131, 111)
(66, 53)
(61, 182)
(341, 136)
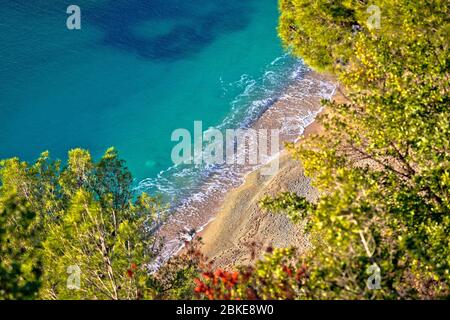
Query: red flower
(130, 273)
(219, 273)
(207, 275)
(198, 289)
(287, 270)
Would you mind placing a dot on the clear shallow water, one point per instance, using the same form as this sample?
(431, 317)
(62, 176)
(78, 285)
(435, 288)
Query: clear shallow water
(136, 71)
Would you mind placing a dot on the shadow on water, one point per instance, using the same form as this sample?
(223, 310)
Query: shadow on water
(194, 25)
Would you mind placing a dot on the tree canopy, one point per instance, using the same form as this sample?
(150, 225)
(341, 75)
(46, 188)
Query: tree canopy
(74, 232)
(383, 163)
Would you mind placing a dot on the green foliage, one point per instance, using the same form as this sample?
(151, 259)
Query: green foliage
(383, 163)
(90, 225)
(318, 31)
(288, 202)
(110, 247)
(20, 263)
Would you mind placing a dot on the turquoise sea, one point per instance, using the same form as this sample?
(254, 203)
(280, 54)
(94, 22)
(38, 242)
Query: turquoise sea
(136, 71)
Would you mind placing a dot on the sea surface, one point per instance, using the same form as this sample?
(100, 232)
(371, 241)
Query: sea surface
(135, 72)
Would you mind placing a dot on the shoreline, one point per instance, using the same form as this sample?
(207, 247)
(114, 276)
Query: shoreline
(252, 230)
(293, 114)
(312, 128)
